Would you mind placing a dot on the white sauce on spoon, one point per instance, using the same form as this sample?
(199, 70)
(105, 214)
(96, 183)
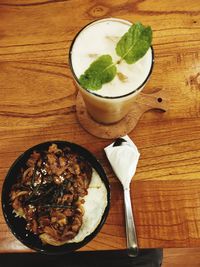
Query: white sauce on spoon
(124, 160)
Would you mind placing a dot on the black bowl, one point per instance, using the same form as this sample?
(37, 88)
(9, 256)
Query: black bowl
(18, 225)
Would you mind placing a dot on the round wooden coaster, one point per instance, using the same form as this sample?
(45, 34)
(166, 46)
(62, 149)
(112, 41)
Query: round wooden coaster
(142, 103)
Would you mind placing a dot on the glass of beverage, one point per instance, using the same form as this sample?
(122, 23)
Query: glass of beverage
(113, 101)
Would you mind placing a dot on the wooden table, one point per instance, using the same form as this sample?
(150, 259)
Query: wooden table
(37, 103)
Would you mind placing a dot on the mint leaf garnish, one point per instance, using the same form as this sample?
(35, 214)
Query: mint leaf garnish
(134, 44)
(101, 71)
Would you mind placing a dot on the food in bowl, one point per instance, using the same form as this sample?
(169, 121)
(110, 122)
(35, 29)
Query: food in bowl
(59, 194)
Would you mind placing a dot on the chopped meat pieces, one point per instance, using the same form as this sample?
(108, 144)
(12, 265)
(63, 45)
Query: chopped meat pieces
(50, 190)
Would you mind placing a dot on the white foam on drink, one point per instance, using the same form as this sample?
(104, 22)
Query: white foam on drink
(100, 38)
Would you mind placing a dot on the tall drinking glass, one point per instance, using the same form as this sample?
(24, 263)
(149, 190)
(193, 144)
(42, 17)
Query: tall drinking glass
(113, 101)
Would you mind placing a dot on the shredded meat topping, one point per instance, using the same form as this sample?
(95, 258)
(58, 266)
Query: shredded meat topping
(50, 190)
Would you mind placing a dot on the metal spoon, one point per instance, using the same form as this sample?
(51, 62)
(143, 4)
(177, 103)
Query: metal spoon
(131, 237)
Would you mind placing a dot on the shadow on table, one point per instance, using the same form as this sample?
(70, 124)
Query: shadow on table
(119, 258)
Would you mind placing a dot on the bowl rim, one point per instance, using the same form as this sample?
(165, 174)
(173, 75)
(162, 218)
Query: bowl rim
(68, 247)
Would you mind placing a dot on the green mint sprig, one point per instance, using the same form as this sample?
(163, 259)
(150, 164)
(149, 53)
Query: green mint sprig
(132, 46)
(135, 43)
(101, 71)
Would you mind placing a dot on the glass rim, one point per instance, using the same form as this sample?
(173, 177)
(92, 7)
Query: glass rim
(93, 93)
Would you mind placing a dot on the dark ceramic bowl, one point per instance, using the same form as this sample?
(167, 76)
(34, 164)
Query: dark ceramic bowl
(18, 225)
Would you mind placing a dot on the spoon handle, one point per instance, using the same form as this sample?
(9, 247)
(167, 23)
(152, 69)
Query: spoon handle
(131, 237)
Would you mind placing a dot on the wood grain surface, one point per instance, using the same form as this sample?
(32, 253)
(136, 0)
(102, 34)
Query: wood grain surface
(179, 257)
(37, 103)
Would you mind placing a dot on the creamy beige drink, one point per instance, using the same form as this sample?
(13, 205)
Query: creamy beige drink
(114, 99)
